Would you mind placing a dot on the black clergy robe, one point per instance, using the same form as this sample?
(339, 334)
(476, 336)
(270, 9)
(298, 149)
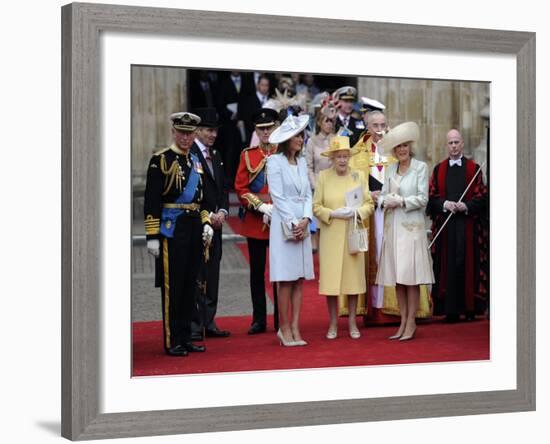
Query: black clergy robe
(460, 253)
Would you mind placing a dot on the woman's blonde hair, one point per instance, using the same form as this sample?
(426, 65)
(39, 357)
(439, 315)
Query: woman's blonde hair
(412, 149)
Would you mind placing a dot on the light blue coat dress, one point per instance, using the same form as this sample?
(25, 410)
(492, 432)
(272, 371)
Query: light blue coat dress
(290, 192)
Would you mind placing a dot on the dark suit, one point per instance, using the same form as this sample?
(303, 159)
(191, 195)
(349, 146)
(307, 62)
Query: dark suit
(229, 135)
(202, 91)
(215, 197)
(247, 108)
(248, 84)
(356, 126)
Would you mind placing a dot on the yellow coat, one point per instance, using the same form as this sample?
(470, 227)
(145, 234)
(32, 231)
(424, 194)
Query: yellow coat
(339, 272)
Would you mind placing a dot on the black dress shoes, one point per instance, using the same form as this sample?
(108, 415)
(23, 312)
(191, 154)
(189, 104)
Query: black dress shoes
(178, 350)
(452, 318)
(256, 328)
(217, 333)
(191, 348)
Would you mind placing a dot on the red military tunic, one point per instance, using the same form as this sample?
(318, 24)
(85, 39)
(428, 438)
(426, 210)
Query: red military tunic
(251, 187)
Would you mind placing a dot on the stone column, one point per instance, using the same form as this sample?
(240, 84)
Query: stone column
(437, 106)
(157, 92)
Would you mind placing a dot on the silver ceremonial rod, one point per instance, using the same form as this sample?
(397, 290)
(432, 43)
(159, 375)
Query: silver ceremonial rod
(459, 200)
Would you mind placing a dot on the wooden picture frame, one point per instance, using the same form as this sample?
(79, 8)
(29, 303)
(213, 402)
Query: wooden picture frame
(81, 27)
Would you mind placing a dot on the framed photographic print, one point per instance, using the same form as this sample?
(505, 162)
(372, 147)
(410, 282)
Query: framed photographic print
(112, 55)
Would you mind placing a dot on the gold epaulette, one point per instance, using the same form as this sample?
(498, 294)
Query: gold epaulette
(254, 201)
(152, 225)
(205, 217)
(249, 167)
(162, 150)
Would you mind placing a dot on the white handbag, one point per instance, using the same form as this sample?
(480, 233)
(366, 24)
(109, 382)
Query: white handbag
(358, 236)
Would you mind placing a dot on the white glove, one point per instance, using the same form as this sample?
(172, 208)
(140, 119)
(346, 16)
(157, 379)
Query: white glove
(342, 213)
(153, 247)
(393, 201)
(266, 209)
(266, 219)
(207, 234)
(461, 206)
(450, 206)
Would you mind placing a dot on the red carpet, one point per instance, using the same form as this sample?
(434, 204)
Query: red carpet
(434, 342)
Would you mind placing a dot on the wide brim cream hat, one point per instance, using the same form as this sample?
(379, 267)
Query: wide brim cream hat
(406, 132)
(291, 126)
(339, 143)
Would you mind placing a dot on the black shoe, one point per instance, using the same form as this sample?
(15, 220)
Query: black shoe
(256, 328)
(452, 318)
(217, 333)
(197, 336)
(470, 317)
(190, 347)
(178, 350)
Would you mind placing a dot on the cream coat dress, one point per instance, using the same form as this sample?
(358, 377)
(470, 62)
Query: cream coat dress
(339, 271)
(405, 258)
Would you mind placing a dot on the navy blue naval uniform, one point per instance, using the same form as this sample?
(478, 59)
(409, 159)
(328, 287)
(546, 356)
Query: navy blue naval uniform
(175, 215)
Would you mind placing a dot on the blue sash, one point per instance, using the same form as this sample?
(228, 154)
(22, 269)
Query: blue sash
(258, 183)
(255, 186)
(170, 215)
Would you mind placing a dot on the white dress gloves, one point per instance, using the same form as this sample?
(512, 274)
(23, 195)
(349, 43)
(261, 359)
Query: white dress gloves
(393, 201)
(455, 207)
(266, 209)
(153, 247)
(207, 234)
(342, 213)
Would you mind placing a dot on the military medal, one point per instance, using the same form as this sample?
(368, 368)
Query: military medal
(198, 167)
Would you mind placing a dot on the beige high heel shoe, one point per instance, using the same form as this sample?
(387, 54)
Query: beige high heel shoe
(299, 342)
(398, 334)
(354, 333)
(409, 336)
(332, 333)
(284, 342)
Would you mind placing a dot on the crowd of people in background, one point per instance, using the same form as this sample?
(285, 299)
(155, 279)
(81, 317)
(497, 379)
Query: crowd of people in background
(309, 167)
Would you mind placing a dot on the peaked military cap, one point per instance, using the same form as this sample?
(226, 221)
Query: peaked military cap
(371, 105)
(265, 117)
(345, 93)
(185, 121)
